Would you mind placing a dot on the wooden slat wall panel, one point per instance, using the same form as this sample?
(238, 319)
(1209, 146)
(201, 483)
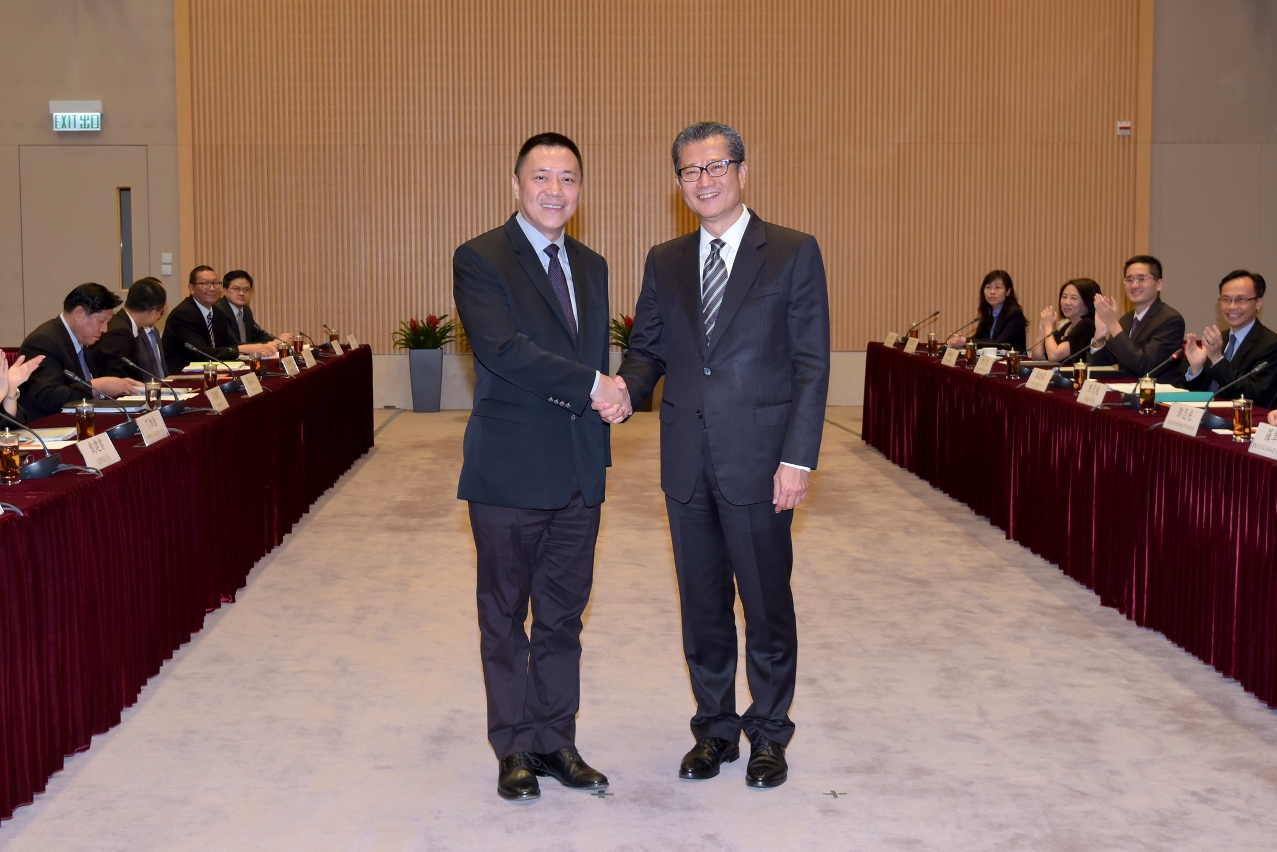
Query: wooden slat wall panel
(344, 148)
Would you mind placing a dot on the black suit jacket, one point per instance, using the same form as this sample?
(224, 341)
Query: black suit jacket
(255, 334)
(1259, 345)
(120, 342)
(532, 435)
(1160, 333)
(759, 388)
(186, 325)
(1008, 332)
(47, 390)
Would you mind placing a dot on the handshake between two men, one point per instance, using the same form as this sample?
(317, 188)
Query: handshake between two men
(611, 399)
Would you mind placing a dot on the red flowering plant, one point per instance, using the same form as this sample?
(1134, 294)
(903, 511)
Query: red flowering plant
(620, 331)
(431, 333)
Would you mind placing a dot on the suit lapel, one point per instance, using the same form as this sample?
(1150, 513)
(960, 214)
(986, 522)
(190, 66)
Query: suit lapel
(745, 269)
(689, 272)
(1147, 323)
(532, 266)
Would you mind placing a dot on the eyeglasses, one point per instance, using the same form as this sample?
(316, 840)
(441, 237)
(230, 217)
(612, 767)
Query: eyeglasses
(1227, 301)
(240, 290)
(208, 283)
(718, 168)
(1141, 279)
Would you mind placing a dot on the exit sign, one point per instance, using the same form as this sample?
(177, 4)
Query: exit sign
(76, 115)
(77, 121)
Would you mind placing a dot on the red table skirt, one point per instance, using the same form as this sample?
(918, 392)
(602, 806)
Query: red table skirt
(1176, 533)
(104, 578)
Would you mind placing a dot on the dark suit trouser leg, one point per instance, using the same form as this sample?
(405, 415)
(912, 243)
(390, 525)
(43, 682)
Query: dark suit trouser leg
(714, 542)
(547, 558)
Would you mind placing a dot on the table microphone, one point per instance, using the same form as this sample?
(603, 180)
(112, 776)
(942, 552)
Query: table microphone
(1132, 400)
(967, 324)
(177, 407)
(45, 467)
(930, 316)
(230, 387)
(1214, 421)
(128, 428)
(315, 346)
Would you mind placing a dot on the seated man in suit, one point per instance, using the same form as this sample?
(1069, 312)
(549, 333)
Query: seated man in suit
(195, 322)
(63, 341)
(131, 334)
(1218, 359)
(1143, 338)
(237, 288)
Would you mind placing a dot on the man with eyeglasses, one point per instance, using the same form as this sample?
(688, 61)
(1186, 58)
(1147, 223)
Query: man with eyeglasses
(1143, 338)
(1218, 358)
(237, 290)
(735, 315)
(195, 322)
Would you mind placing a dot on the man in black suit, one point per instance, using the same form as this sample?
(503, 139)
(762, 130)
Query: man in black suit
(1145, 337)
(736, 317)
(237, 288)
(64, 342)
(195, 322)
(131, 334)
(1219, 359)
(534, 304)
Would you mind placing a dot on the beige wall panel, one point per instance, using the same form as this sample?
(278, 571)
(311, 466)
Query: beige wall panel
(344, 149)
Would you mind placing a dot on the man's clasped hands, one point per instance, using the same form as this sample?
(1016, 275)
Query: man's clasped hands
(611, 400)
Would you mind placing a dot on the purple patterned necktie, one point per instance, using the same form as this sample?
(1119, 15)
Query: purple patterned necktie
(559, 282)
(1135, 323)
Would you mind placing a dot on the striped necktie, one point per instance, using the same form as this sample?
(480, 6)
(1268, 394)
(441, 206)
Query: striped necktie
(713, 283)
(559, 281)
(208, 318)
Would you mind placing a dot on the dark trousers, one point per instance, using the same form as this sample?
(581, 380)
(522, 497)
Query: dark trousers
(714, 542)
(546, 557)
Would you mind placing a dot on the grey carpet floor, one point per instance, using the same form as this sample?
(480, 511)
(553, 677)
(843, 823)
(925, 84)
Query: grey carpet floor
(954, 691)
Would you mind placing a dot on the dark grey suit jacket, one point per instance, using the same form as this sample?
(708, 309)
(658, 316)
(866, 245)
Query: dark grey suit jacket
(759, 388)
(47, 390)
(1160, 333)
(532, 435)
(255, 333)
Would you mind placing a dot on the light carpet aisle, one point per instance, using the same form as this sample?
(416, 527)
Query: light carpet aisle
(955, 691)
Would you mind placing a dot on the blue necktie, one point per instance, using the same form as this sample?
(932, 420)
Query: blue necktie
(1232, 348)
(159, 367)
(84, 366)
(559, 282)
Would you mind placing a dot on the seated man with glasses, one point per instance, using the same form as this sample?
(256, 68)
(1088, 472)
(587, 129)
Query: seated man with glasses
(1217, 358)
(237, 289)
(195, 322)
(1144, 338)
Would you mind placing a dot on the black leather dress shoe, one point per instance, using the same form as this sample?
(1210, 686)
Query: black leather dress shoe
(515, 778)
(705, 758)
(767, 766)
(567, 767)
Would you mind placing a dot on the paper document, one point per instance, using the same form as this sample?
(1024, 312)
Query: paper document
(198, 366)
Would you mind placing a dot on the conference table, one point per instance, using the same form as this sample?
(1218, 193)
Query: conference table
(1175, 532)
(103, 578)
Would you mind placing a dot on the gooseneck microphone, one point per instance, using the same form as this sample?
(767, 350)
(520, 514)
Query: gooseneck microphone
(177, 407)
(314, 345)
(230, 387)
(1175, 356)
(927, 318)
(45, 467)
(967, 324)
(128, 428)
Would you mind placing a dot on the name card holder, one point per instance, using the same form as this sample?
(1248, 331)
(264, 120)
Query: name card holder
(1183, 419)
(1092, 393)
(1039, 380)
(152, 427)
(354, 344)
(308, 355)
(98, 451)
(950, 358)
(290, 366)
(337, 348)
(911, 346)
(252, 385)
(1264, 441)
(217, 399)
(984, 365)
(890, 339)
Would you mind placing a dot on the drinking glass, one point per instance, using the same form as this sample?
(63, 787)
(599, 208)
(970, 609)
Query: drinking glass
(298, 344)
(210, 376)
(1013, 364)
(10, 460)
(154, 395)
(971, 354)
(1079, 374)
(84, 427)
(1243, 419)
(1148, 395)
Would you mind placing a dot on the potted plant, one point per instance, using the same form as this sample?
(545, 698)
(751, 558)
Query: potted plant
(619, 333)
(424, 340)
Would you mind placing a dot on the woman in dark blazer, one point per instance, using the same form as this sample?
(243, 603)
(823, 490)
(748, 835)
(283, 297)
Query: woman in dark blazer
(1062, 339)
(1002, 322)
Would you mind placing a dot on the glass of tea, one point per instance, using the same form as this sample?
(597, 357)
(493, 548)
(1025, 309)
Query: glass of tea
(84, 428)
(298, 344)
(210, 376)
(1243, 419)
(10, 459)
(1148, 395)
(1013, 364)
(971, 354)
(255, 363)
(1079, 373)
(333, 335)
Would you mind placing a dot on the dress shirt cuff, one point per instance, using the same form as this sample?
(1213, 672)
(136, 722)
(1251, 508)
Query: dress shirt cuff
(800, 467)
(1190, 375)
(598, 377)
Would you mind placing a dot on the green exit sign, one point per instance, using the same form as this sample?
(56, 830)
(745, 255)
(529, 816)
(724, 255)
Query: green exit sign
(77, 121)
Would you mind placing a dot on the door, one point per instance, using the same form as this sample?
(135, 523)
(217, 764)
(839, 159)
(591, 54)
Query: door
(72, 230)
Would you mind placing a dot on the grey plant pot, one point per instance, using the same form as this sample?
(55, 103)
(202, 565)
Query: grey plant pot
(426, 368)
